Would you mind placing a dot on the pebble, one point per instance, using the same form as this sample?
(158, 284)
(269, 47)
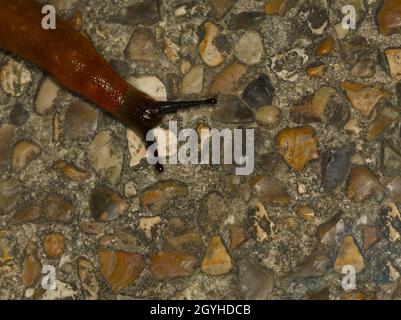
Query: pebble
(71, 172)
(136, 148)
(306, 213)
(221, 7)
(27, 214)
(349, 254)
(193, 81)
(383, 120)
(143, 46)
(316, 71)
(259, 92)
(54, 244)
(370, 237)
(249, 48)
(394, 61)
(297, 146)
(288, 65)
(156, 196)
(363, 97)
(228, 80)
(336, 166)
(130, 189)
(171, 50)
(106, 156)
(212, 213)
(9, 194)
(182, 237)
(55, 208)
(209, 53)
(46, 96)
(318, 17)
(32, 267)
(268, 115)
(216, 261)
(150, 85)
(255, 281)
(4, 248)
(314, 107)
(7, 133)
(231, 109)
(106, 205)
(245, 20)
(80, 121)
(325, 47)
(142, 13)
(279, 7)
(391, 161)
(120, 269)
(14, 77)
(389, 17)
(363, 184)
(87, 277)
(169, 265)
(18, 115)
(359, 56)
(269, 191)
(23, 153)
(237, 237)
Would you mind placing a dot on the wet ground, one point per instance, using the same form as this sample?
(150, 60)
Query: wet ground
(77, 194)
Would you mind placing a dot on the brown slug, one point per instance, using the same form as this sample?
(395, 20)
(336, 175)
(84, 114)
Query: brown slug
(75, 63)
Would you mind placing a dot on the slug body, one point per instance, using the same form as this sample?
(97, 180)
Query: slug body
(75, 63)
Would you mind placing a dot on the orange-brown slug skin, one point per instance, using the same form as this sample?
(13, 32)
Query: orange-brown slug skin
(63, 52)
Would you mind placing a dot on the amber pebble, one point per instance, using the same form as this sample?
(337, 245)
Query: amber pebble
(180, 236)
(106, 204)
(297, 146)
(216, 261)
(394, 62)
(364, 97)
(237, 236)
(207, 49)
(325, 47)
(349, 255)
(159, 194)
(363, 184)
(7, 132)
(32, 267)
(268, 115)
(26, 214)
(369, 236)
(71, 172)
(55, 208)
(317, 71)
(306, 213)
(167, 265)
(389, 17)
(227, 81)
(54, 244)
(269, 191)
(383, 120)
(353, 296)
(120, 269)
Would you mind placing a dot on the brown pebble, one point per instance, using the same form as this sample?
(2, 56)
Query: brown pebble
(325, 47)
(237, 236)
(168, 265)
(55, 208)
(227, 81)
(349, 254)
(32, 267)
(394, 62)
(370, 236)
(159, 194)
(316, 71)
(87, 277)
(306, 213)
(71, 172)
(23, 153)
(27, 214)
(363, 184)
(216, 261)
(54, 244)
(389, 17)
(268, 115)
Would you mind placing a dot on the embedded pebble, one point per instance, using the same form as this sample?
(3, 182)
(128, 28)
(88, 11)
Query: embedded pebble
(383, 120)
(80, 121)
(209, 53)
(71, 172)
(363, 184)
(288, 65)
(29, 213)
(56, 208)
(256, 282)
(221, 7)
(136, 148)
(269, 191)
(88, 280)
(237, 237)
(249, 48)
(150, 85)
(394, 62)
(142, 13)
(306, 213)
(268, 115)
(245, 20)
(54, 244)
(106, 205)
(231, 109)
(193, 81)
(156, 196)
(9, 194)
(18, 115)
(168, 265)
(106, 156)
(14, 77)
(182, 237)
(32, 267)
(326, 47)
(47, 94)
(120, 269)
(7, 132)
(349, 255)
(216, 261)
(297, 146)
(143, 46)
(228, 80)
(370, 237)
(389, 17)
(23, 153)
(259, 92)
